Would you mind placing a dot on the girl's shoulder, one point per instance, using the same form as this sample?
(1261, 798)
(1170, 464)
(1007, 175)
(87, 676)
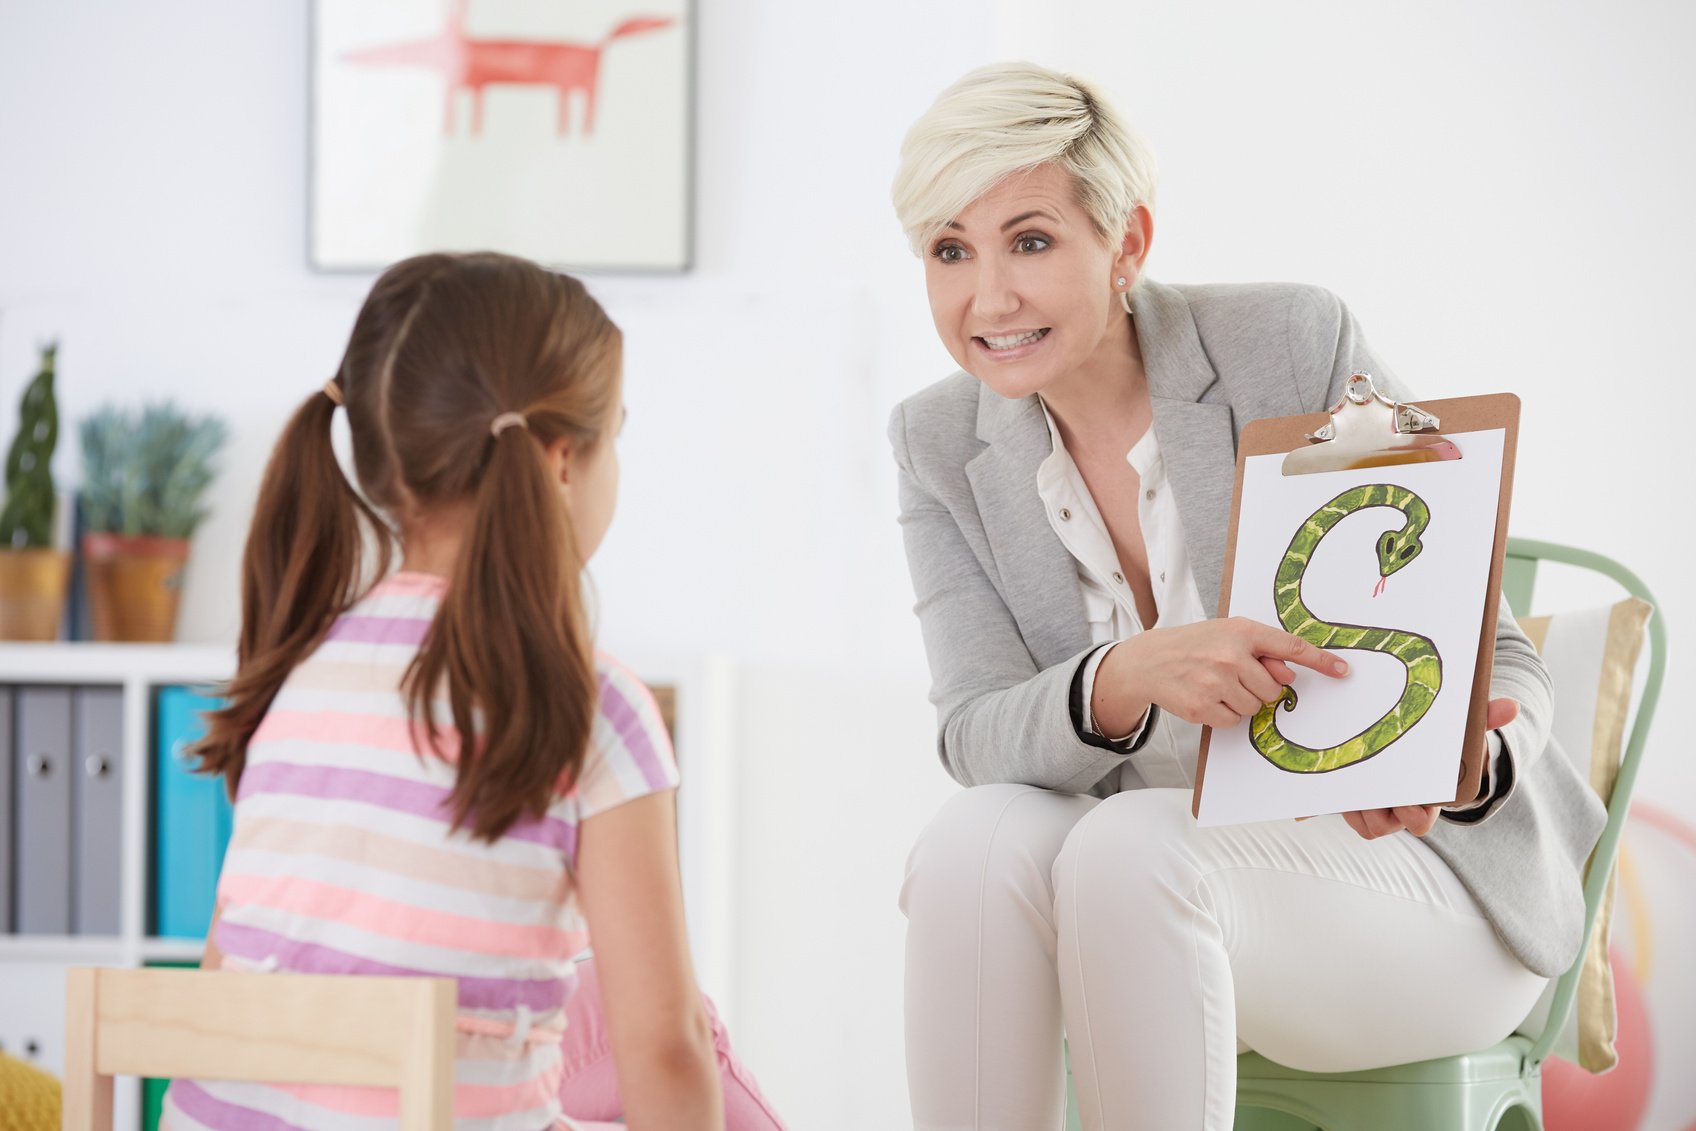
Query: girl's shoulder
(630, 753)
(626, 703)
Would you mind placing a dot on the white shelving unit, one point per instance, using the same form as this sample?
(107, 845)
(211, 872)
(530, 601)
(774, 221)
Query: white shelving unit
(32, 966)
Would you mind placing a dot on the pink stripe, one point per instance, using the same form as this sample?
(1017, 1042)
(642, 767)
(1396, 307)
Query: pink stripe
(470, 1101)
(417, 798)
(632, 729)
(395, 920)
(356, 729)
(380, 630)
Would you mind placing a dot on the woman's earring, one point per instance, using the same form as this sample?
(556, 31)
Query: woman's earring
(1125, 296)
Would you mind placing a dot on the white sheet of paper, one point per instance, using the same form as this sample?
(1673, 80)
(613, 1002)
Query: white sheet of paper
(1439, 595)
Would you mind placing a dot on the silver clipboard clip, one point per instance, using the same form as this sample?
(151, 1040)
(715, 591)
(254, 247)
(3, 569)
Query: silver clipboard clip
(1368, 429)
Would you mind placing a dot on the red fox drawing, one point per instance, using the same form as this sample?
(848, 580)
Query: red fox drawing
(473, 64)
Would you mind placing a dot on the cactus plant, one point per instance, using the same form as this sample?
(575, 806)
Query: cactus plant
(26, 523)
(146, 475)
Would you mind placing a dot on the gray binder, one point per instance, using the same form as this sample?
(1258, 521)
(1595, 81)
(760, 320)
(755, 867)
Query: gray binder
(97, 798)
(42, 784)
(5, 810)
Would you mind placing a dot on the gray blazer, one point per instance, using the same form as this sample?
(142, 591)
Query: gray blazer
(1003, 616)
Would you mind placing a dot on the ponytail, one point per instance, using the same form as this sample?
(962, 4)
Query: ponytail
(301, 569)
(442, 344)
(511, 642)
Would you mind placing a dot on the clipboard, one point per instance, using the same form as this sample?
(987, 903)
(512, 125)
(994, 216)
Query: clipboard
(1367, 429)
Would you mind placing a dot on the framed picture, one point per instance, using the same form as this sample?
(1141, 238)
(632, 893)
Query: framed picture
(560, 131)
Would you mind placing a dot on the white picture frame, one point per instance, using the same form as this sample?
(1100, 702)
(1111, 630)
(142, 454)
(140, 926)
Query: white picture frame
(559, 132)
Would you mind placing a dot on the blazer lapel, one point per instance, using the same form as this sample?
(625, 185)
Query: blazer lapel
(1038, 578)
(1194, 426)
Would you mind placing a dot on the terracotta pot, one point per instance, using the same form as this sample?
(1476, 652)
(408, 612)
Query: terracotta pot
(32, 593)
(134, 582)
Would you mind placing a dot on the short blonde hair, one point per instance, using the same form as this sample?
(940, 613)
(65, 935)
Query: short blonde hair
(1007, 118)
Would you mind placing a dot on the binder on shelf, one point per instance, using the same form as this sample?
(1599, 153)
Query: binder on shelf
(5, 810)
(97, 772)
(191, 819)
(42, 806)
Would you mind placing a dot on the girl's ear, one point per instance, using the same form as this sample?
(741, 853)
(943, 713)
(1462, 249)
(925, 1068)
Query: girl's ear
(559, 458)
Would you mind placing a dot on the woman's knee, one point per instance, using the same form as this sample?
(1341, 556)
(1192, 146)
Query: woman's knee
(991, 834)
(1137, 837)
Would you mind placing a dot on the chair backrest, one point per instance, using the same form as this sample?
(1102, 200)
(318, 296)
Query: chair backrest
(1518, 581)
(274, 1028)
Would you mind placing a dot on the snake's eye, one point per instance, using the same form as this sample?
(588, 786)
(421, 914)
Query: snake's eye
(1407, 553)
(1389, 543)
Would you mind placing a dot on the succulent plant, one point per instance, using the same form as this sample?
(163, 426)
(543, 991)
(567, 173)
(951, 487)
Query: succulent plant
(26, 522)
(147, 474)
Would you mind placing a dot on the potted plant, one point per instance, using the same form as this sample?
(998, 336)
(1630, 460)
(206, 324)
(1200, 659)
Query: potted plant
(143, 480)
(33, 573)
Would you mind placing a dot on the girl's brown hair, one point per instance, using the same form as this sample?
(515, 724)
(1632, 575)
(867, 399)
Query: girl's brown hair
(443, 345)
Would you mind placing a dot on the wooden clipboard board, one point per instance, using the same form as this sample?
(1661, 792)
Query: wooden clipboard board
(1366, 429)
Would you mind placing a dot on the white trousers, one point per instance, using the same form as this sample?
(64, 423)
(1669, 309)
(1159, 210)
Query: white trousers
(1161, 949)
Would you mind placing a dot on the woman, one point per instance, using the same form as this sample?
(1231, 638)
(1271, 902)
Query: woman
(1064, 501)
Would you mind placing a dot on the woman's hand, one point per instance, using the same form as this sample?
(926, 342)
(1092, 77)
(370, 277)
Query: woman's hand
(1374, 823)
(1212, 672)
(1419, 819)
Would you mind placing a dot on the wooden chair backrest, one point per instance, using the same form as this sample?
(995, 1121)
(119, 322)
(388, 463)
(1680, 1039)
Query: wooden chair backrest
(274, 1028)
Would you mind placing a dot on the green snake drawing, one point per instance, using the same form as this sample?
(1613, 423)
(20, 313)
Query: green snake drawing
(1424, 665)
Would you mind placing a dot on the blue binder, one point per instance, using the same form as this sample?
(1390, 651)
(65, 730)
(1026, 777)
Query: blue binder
(191, 819)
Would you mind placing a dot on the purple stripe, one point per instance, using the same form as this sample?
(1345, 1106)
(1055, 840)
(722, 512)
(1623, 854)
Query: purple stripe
(380, 630)
(256, 944)
(418, 798)
(198, 1103)
(634, 732)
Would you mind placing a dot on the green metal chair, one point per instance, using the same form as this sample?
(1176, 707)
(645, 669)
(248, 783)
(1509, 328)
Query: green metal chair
(1500, 1088)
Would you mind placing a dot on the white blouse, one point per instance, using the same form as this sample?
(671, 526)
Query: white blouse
(1168, 757)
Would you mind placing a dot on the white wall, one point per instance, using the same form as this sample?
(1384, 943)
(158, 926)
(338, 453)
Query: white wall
(1497, 191)
(1500, 191)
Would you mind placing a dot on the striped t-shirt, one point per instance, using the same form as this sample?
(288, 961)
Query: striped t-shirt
(342, 862)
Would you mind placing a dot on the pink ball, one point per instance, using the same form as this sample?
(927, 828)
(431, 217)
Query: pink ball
(1574, 1100)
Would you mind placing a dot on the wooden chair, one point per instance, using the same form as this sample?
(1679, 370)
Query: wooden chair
(272, 1028)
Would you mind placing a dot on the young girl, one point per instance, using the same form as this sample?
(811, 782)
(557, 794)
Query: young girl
(436, 774)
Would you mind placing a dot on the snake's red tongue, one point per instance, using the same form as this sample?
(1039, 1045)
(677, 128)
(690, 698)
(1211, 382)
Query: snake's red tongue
(1379, 588)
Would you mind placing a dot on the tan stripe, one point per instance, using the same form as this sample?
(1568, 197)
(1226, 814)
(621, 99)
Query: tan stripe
(1613, 694)
(472, 1046)
(1596, 1014)
(414, 861)
(1597, 1017)
(1537, 628)
(331, 675)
